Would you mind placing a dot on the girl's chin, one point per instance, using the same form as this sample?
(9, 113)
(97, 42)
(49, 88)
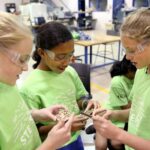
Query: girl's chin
(58, 71)
(139, 67)
(12, 83)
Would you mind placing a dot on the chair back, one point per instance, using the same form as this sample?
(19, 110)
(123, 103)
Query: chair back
(84, 71)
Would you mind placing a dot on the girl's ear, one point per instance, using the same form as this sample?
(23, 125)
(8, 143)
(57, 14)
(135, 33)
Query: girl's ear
(41, 52)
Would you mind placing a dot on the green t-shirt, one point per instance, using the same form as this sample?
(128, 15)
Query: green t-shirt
(17, 128)
(139, 119)
(120, 89)
(46, 88)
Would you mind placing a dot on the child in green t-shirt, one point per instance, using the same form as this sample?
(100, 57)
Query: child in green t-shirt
(54, 82)
(135, 37)
(17, 127)
(122, 73)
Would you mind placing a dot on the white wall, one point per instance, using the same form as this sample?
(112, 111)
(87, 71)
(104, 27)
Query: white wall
(129, 3)
(104, 17)
(34, 11)
(72, 4)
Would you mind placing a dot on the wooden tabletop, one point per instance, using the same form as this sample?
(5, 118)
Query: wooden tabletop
(98, 39)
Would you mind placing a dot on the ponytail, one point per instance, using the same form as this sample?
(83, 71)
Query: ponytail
(36, 57)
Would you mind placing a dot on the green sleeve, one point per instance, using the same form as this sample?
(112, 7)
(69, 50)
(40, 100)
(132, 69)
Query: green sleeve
(32, 101)
(118, 97)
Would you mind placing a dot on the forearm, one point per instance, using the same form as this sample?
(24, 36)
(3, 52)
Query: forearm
(44, 129)
(46, 145)
(133, 141)
(126, 106)
(120, 115)
(35, 114)
(99, 141)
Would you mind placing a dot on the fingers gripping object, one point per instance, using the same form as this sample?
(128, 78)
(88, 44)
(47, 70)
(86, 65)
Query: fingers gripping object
(63, 115)
(101, 113)
(90, 129)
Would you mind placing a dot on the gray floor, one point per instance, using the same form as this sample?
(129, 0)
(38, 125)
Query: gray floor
(100, 80)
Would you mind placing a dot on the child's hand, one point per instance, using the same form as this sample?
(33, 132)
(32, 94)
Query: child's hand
(103, 113)
(79, 123)
(46, 114)
(92, 104)
(59, 135)
(106, 128)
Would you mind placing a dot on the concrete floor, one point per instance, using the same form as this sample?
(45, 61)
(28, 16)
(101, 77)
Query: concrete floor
(100, 80)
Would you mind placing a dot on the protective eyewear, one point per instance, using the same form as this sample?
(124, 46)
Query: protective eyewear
(139, 49)
(17, 58)
(59, 57)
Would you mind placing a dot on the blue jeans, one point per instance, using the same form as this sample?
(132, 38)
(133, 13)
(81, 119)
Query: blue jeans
(76, 145)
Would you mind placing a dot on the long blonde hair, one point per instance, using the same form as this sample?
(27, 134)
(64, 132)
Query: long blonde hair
(12, 30)
(137, 25)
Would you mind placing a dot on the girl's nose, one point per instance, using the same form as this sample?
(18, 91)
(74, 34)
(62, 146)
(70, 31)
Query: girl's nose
(66, 61)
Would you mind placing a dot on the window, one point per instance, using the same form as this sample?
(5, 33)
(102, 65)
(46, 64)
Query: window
(140, 3)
